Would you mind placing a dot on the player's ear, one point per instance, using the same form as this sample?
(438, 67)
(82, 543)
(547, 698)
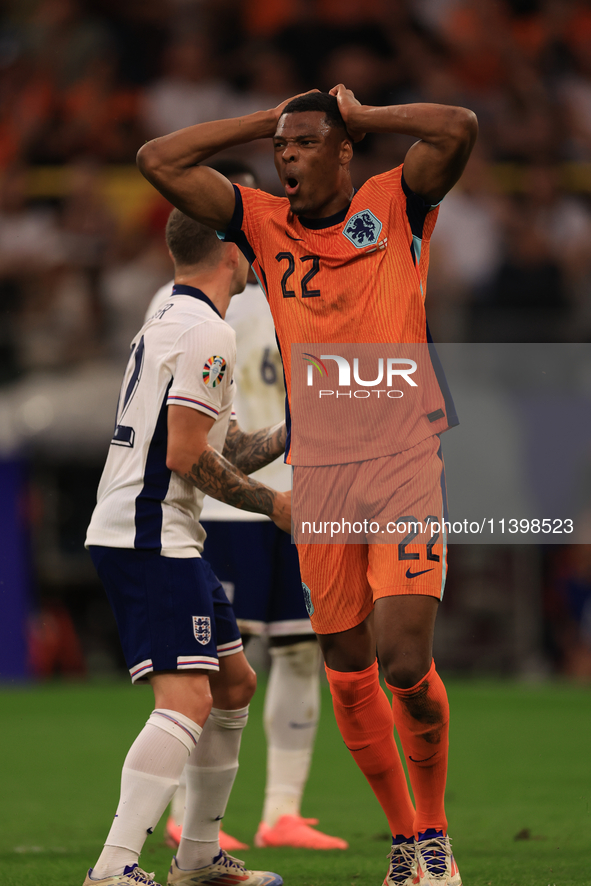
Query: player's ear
(232, 255)
(346, 151)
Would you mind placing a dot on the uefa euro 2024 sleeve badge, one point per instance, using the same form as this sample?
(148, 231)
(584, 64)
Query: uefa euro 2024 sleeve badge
(202, 629)
(213, 371)
(363, 229)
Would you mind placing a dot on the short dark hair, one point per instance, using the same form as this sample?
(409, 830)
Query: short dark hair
(318, 101)
(190, 242)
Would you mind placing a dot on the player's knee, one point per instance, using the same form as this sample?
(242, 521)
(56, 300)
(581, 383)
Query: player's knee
(351, 650)
(236, 690)
(198, 701)
(241, 693)
(405, 671)
(301, 658)
(248, 685)
(187, 692)
(342, 654)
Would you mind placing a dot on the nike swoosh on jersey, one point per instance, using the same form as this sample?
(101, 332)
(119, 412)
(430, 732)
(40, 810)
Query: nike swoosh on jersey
(410, 574)
(298, 239)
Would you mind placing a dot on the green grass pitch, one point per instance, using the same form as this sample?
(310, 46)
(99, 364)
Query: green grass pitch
(520, 761)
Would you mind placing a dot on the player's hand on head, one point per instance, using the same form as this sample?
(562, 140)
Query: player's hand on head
(347, 105)
(281, 515)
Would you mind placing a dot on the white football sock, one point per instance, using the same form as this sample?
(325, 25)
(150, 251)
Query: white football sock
(149, 778)
(292, 706)
(210, 773)
(177, 804)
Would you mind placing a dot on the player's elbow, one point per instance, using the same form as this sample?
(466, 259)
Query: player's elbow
(149, 161)
(185, 460)
(174, 463)
(178, 459)
(463, 125)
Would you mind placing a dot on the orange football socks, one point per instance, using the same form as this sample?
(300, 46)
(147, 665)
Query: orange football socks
(421, 715)
(364, 718)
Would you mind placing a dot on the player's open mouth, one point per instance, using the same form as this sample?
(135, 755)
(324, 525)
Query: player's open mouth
(291, 186)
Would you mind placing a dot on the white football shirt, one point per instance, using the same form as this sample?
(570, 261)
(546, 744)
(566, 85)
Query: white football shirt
(184, 354)
(259, 399)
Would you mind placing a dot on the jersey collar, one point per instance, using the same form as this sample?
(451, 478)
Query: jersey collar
(317, 224)
(182, 289)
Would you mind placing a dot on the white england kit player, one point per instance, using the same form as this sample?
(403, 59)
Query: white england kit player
(258, 566)
(176, 625)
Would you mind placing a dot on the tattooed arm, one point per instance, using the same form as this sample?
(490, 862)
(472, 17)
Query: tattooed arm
(191, 457)
(249, 452)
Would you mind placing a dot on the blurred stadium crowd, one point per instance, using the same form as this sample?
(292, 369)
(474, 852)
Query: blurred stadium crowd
(84, 82)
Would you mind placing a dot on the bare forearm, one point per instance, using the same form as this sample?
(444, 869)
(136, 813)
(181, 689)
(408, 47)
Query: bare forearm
(429, 122)
(171, 163)
(249, 452)
(189, 147)
(445, 134)
(216, 476)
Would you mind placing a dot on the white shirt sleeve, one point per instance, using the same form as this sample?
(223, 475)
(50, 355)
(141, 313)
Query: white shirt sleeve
(203, 366)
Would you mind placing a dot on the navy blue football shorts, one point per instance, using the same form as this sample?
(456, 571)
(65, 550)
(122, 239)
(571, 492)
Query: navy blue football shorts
(259, 568)
(172, 614)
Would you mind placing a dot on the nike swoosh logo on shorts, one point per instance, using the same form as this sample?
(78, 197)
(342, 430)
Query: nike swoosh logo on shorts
(410, 574)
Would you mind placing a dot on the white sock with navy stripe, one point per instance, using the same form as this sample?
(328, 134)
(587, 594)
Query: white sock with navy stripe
(210, 773)
(149, 778)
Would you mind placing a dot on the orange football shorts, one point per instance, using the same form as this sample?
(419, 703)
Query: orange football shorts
(375, 529)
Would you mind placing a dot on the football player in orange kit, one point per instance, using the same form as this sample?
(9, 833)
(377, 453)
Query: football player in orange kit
(339, 265)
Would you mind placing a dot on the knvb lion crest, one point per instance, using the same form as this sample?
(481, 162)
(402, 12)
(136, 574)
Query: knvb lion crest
(363, 229)
(202, 629)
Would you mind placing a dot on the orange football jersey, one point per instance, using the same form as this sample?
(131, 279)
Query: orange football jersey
(357, 276)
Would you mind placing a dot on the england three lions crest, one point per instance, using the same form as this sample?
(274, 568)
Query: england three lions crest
(363, 229)
(202, 629)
